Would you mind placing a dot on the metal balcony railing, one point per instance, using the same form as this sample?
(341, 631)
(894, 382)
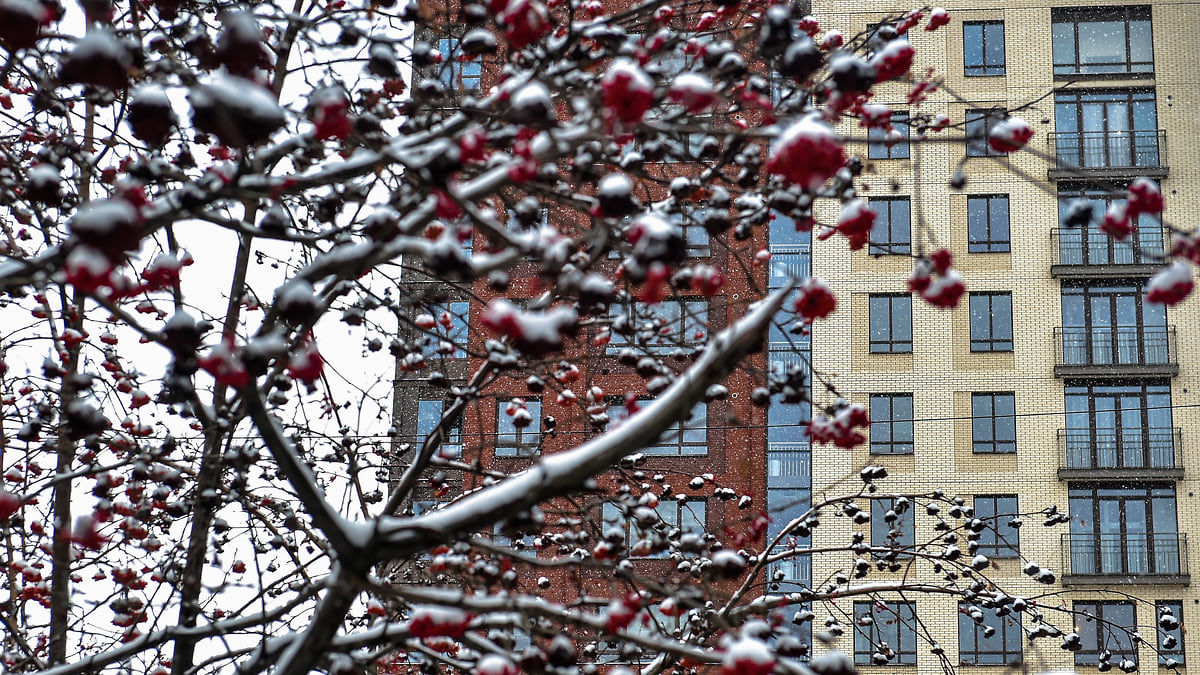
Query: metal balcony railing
(1145, 346)
(1126, 554)
(1119, 449)
(788, 262)
(797, 572)
(1100, 150)
(789, 464)
(1077, 246)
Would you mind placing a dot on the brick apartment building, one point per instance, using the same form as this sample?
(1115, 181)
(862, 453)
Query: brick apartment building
(1053, 382)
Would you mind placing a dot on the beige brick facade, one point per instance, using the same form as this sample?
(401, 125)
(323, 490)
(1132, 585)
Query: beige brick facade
(942, 371)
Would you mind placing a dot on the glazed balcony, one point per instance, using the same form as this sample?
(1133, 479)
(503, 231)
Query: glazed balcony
(1115, 351)
(1124, 557)
(1109, 154)
(1119, 454)
(1091, 254)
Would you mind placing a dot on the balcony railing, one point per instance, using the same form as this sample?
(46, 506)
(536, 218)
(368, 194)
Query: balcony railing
(1088, 152)
(1077, 248)
(1136, 554)
(1115, 350)
(789, 464)
(797, 572)
(789, 262)
(1119, 453)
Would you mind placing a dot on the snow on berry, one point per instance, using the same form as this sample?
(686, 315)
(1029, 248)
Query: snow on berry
(832, 40)
(807, 154)
(855, 223)
(98, 60)
(163, 272)
(945, 290)
(494, 664)
(329, 112)
(150, 115)
(1172, 285)
(236, 110)
(21, 22)
(1010, 135)
(427, 621)
(533, 105)
(893, 61)
(1117, 222)
(524, 21)
(815, 301)
(1144, 197)
(622, 612)
(628, 91)
(748, 656)
(111, 226)
(225, 365)
(306, 365)
(937, 18)
(693, 91)
(534, 333)
(614, 196)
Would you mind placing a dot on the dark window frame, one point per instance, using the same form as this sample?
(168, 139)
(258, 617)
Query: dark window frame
(984, 68)
(877, 144)
(888, 622)
(687, 437)
(889, 236)
(1002, 648)
(696, 509)
(991, 228)
(1125, 530)
(457, 334)
(889, 314)
(998, 540)
(979, 125)
(1095, 621)
(1129, 137)
(452, 440)
(519, 446)
(1072, 65)
(996, 333)
(900, 535)
(691, 315)
(1175, 653)
(993, 433)
(1117, 425)
(900, 437)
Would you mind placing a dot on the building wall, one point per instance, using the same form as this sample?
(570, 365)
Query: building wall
(941, 372)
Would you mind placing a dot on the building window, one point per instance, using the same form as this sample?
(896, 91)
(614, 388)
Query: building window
(993, 422)
(983, 48)
(892, 525)
(891, 324)
(667, 327)
(456, 72)
(1170, 633)
(889, 143)
(786, 505)
(987, 224)
(1123, 531)
(891, 424)
(429, 414)
(892, 231)
(1112, 324)
(518, 427)
(988, 639)
(1127, 426)
(448, 336)
(885, 631)
(695, 235)
(979, 125)
(649, 533)
(1089, 245)
(998, 539)
(1105, 627)
(1102, 40)
(991, 322)
(1099, 129)
(685, 437)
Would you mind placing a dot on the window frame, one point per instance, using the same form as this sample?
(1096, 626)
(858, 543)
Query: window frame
(452, 439)
(881, 530)
(519, 447)
(998, 540)
(984, 68)
(681, 445)
(1124, 15)
(877, 145)
(1009, 637)
(893, 425)
(888, 235)
(898, 619)
(457, 334)
(990, 242)
(1139, 535)
(696, 509)
(455, 73)
(1177, 652)
(993, 335)
(992, 443)
(979, 125)
(896, 306)
(691, 316)
(1090, 630)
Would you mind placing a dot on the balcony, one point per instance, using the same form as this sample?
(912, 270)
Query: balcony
(1109, 154)
(1119, 454)
(789, 262)
(1091, 254)
(1135, 558)
(1115, 351)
